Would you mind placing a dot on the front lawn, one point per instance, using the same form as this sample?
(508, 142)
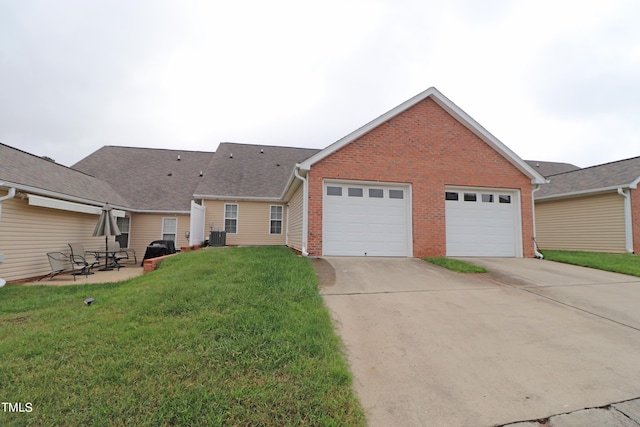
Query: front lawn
(213, 337)
(618, 263)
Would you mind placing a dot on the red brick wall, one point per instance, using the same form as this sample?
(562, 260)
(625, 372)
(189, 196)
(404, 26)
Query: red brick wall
(428, 148)
(635, 219)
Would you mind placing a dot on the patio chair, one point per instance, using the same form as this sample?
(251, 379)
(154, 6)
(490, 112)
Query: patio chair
(84, 260)
(59, 263)
(122, 253)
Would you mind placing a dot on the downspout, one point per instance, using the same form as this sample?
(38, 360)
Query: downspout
(627, 220)
(305, 206)
(10, 195)
(533, 212)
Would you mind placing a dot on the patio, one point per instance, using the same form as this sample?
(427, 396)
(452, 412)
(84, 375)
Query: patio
(64, 279)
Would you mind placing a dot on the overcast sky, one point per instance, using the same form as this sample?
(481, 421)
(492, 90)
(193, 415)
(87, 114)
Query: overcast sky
(553, 80)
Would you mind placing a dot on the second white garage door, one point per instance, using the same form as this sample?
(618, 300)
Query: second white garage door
(366, 219)
(482, 222)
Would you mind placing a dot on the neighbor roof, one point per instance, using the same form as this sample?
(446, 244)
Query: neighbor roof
(594, 179)
(250, 171)
(450, 108)
(150, 179)
(551, 168)
(37, 175)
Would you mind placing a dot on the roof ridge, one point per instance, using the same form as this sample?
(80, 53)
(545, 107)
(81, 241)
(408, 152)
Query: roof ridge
(155, 149)
(268, 145)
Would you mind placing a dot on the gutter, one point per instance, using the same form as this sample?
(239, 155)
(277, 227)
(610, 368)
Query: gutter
(533, 212)
(10, 195)
(627, 220)
(305, 207)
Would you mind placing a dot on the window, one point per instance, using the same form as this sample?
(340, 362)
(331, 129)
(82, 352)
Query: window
(231, 218)
(504, 198)
(275, 220)
(396, 194)
(334, 191)
(355, 192)
(449, 195)
(124, 226)
(470, 197)
(169, 229)
(487, 198)
(376, 193)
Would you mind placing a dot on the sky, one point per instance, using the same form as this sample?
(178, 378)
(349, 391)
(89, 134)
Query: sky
(553, 80)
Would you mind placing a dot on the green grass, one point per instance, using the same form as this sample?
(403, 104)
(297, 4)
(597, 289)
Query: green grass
(214, 337)
(456, 265)
(618, 263)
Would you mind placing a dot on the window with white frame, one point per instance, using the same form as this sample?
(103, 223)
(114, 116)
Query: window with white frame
(124, 224)
(276, 220)
(169, 229)
(231, 218)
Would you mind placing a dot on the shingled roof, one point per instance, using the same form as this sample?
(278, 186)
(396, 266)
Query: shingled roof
(150, 179)
(608, 176)
(250, 171)
(551, 168)
(35, 174)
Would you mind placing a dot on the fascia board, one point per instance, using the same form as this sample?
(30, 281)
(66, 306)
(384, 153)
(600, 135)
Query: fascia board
(583, 192)
(61, 196)
(241, 198)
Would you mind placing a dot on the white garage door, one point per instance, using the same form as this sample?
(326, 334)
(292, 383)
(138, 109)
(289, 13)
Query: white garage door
(365, 219)
(482, 222)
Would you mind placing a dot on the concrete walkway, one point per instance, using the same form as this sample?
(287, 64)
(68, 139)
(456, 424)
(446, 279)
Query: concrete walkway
(429, 347)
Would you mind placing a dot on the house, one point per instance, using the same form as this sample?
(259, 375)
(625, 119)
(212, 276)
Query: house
(423, 179)
(44, 206)
(591, 209)
(158, 187)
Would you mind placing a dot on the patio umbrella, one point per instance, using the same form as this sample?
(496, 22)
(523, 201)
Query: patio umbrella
(106, 226)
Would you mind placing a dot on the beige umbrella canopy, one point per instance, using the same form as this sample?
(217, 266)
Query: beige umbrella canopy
(107, 225)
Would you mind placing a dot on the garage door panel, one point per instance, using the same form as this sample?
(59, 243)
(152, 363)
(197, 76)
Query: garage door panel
(371, 226)
(484, 227)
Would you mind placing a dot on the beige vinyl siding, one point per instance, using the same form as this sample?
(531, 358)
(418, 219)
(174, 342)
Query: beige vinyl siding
(145, 228)
(27, 233)
(592, 223)
(253, 222)
(295, 219)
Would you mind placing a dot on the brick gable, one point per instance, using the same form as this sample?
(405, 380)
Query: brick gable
(428, 148)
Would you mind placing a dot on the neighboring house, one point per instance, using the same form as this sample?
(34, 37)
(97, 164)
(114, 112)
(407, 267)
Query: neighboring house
(44, 206)
(551, 168)
(591, 209)
(158, 187)
(424, 179)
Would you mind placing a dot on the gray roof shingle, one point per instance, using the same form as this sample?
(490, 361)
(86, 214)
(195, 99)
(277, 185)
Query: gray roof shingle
(608, 175)
(551, 168)
(252, 171)
(22, 168)
(150, 179)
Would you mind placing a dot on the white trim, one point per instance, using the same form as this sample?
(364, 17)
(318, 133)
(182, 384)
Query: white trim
(46, 202)
(628, 224)
(281, 220)
(238, 198)
(592, 191)
(176, 232)
(450, 108)
(237, 218)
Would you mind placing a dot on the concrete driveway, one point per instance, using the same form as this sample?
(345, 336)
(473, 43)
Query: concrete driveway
(533, 339)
